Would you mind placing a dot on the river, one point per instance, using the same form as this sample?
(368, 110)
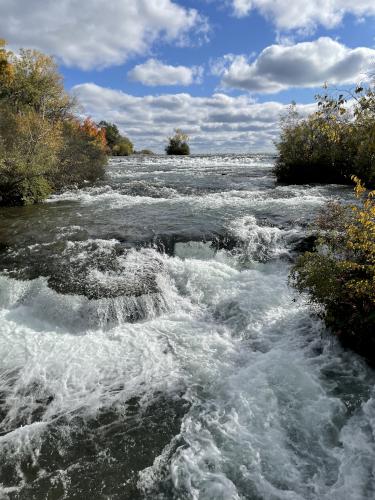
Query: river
(150, 346)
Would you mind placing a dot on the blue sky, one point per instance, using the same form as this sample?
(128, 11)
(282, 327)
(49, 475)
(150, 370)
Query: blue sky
(229, 34)
(221, 70)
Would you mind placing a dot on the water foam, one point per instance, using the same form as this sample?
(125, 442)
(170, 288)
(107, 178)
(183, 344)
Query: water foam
(249, 395)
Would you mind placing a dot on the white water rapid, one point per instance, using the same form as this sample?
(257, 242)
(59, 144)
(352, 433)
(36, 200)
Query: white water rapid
(150, 346)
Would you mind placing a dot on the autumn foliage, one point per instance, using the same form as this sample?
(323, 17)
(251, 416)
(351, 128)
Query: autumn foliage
(96, 133)
(340, 275)
(43, 145)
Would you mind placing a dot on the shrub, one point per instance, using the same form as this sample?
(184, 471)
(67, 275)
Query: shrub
(123, 148)
(33, 82)
(340, 275)
(112, 133)
(145, 152)
(28, 156)
(42, 145)
(82, 157)
(330, 145)
(118, 145)
(178, 144)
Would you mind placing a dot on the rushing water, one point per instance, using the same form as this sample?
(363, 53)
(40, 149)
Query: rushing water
(150, 346)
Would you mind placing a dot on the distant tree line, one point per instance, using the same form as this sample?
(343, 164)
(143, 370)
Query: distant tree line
(332, 144)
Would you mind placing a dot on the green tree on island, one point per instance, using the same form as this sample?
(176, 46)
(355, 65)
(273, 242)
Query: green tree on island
(178, 144)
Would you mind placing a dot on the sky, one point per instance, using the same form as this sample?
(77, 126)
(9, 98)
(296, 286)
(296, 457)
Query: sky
(223, 71)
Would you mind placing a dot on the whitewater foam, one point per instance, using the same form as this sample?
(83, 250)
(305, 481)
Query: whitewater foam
(129, 372)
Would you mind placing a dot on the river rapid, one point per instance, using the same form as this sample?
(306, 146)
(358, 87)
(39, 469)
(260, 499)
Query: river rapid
(150, 346)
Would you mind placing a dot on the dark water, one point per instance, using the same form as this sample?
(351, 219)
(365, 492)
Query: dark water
(150, 346)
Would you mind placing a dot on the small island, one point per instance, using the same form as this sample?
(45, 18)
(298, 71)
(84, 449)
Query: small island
(178, 144)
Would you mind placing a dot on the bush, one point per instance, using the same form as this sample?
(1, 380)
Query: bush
(42, 146)
(340, 276)
(145, 152)
(118, 145)
(178, 144)
(330, 145)
(28, 156)
(123, 148)
(83, 155)
(32, 81)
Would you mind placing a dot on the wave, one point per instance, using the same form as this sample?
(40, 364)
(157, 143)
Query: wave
(183, 367)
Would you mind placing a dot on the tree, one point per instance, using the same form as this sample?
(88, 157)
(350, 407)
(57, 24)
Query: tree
(112, 133)
(97, 134)
(123, 148)
(42, 145)
(178, 144)
(35, 83)
(364, 113)
(6, 71)
(118, 145)
(28, 155)
(82, 157)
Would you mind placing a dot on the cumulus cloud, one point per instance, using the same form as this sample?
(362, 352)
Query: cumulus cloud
(97, 33)
(219, 123)
(291, 14)
(154, 72)
(307, 64)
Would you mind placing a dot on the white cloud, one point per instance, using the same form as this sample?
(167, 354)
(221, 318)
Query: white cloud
(154, 72)
(96, 33)
(305, 14)
(307, 64)
(216, 123)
